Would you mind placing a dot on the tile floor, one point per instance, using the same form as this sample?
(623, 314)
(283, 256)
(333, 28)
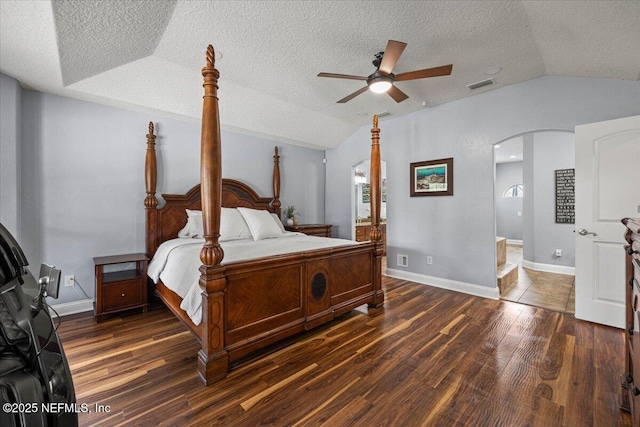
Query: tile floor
(538, 288)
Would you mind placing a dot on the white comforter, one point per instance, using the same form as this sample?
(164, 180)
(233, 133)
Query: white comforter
(177, 261)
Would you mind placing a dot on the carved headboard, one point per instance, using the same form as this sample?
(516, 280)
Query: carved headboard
(171, 218)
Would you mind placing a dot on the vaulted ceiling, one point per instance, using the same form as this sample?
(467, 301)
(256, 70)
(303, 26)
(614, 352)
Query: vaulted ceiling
(146, 55)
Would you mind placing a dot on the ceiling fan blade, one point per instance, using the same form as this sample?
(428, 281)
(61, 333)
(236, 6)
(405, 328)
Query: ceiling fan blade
(444, 70)
(391, 55)
(397, 94)
(353, 95)
(341, 76)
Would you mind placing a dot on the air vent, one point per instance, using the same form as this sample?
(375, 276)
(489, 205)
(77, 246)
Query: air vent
(481, 83)
(383, 114)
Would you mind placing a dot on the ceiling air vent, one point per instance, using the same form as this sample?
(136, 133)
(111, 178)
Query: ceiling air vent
(383, 114)
(481, 83)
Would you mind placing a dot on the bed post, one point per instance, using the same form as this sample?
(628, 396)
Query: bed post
(276, 183)
(151, 202)
(376, 234)
(213, 359)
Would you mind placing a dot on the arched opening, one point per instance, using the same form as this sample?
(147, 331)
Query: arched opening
(360, 203)
(534, 251)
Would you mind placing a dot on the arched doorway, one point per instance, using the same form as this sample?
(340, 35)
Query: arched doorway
(535, 252)
(360, 203)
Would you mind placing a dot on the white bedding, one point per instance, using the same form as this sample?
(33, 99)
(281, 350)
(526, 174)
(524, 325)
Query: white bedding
(177, 261)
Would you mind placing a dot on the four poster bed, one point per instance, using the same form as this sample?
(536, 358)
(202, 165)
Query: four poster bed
(247, 302)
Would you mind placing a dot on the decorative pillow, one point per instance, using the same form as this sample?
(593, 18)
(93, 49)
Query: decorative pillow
(260, 223)
(194, 225)
(194, 222)
(184, 233)
(233, 225)
(279, 222)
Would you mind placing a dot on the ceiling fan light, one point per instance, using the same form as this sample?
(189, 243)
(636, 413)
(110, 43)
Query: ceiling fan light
(380, 85)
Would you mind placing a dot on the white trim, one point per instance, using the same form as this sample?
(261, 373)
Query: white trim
(549, 268)
(514, 242)
(73, 307)
(439, 282)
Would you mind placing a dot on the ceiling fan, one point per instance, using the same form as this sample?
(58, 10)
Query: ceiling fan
(382, 79)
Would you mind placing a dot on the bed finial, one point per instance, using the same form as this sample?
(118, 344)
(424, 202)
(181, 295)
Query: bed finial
(375, 121)
(211, 56)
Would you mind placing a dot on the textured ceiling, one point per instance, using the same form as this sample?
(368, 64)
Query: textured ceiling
(147, 55)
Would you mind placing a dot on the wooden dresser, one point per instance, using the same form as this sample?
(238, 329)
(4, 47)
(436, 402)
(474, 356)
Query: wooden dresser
(323, 230)
(363, 233)
(630, 400)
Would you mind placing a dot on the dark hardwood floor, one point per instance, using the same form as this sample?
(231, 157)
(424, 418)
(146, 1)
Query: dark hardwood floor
(431, 357)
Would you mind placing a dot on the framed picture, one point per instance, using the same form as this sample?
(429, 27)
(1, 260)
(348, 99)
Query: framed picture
(366, 193)
(432, 178)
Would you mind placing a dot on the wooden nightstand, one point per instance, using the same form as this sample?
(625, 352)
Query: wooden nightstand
(323, 230)
(120, 290)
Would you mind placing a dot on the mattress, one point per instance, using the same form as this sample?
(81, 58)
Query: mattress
(177, 261)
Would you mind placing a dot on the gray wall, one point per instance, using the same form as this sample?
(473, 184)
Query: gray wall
(10, 167)
(458, 231)
(508, 222)
(546, 152)
(83, 179)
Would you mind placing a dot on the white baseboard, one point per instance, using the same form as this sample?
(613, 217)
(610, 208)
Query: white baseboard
(514, 242)
(549, 268)
(73, 307)
(439, 282)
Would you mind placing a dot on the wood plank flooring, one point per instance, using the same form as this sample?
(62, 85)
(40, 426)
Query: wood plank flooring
(431, 357)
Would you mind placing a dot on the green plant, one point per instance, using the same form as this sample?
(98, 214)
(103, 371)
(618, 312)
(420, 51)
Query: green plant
(290, 211)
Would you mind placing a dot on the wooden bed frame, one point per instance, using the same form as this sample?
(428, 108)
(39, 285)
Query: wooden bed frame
(251, 304)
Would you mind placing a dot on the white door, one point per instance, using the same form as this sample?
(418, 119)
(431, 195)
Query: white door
(607, 190)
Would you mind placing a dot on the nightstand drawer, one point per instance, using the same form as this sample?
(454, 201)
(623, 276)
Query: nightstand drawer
(121, 295)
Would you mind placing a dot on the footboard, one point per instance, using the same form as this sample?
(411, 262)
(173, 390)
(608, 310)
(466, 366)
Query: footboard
(253, 304)
(270, 299)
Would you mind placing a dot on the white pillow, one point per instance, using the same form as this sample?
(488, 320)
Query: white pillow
(279, 222)
(193, 229)
(233, 225)
(260, 223)
(184, 232)
(195, 218)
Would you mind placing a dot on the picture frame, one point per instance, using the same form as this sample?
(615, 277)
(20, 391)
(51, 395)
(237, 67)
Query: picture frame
(366, 193)
(432, 178)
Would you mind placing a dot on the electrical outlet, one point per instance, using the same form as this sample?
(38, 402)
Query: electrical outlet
(70, 280)
(558, 252)
(429, 260)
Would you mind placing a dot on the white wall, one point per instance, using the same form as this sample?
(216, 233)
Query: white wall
(458, 231)
(10, 168)
(83, 179)
(547, 152)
